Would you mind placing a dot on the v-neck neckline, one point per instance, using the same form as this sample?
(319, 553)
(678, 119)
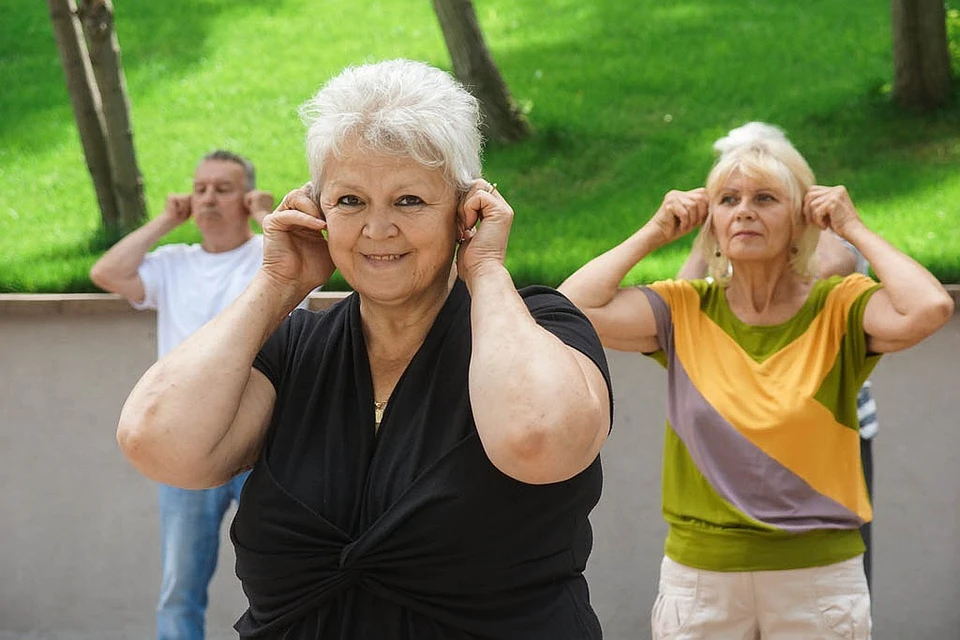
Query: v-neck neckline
(457, 296)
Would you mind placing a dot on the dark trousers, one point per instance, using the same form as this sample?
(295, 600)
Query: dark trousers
(866, 457)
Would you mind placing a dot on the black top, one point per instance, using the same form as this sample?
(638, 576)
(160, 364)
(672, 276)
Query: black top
(410, 532)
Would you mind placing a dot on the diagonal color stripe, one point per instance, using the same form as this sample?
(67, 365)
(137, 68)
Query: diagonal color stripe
(751, 480)
(771, 403)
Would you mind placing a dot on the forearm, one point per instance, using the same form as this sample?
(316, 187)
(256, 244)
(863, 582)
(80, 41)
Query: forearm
(185, 405)
(596, 283)
(912, 289)
(123, 259)
(536, 413)
(695, 267)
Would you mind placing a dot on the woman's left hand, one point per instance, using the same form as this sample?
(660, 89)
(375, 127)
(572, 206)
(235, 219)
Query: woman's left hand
(831, 208)
(486, 219)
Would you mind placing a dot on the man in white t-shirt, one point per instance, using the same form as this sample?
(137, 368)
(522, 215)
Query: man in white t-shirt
(188, 285)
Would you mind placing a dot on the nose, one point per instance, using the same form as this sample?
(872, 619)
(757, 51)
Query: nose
(207, 195)
(379, 224)
(743, 209)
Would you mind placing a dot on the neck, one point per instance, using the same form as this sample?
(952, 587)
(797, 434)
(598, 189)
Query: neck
(393, 332)
(223, 242)
(762, 286)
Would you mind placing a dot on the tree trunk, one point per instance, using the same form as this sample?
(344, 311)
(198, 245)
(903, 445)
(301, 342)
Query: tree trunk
(474, 67)
(97, 19)
(85, 98)
(922, 78)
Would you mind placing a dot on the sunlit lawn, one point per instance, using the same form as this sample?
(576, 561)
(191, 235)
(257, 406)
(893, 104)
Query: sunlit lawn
(625, 97)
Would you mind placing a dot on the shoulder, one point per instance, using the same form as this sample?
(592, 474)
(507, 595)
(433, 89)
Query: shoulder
(172, 251)
(843, 291)
(681, 294)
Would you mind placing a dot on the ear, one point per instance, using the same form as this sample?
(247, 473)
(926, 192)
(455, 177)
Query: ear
(465, 219)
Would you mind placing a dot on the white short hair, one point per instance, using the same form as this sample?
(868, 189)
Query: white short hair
(397, 107)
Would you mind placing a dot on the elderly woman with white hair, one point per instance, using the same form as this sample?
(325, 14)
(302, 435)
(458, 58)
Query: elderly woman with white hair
(425, 453)
(763, 489)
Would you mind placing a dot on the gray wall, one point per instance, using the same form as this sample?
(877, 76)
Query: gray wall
(78, 526)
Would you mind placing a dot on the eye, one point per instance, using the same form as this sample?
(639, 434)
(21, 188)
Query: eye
(409, 201)
(728, 200)
(223, 190)
(766, 197)
(348, 201)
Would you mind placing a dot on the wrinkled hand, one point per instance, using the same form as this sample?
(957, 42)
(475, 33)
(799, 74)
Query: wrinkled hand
(295, 253)
(177, 209)
(259, 203)
(680, 213)
(486, 218)
(831, 208)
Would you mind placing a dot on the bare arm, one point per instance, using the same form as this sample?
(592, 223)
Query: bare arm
(912, 303)
(177, 427)
(117, 270)
(694, 267)
(541, 407)
(623, 316)
(199, 414)
(834, 257)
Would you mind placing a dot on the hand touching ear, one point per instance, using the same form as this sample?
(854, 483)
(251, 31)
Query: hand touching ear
(295, 253)
(258, 204)
(831, 208)
(486, 219)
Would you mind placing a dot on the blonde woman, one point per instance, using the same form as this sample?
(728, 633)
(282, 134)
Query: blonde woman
(763, 489)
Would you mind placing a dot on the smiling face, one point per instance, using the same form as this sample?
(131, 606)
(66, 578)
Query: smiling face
(391, 224)
(753, 218)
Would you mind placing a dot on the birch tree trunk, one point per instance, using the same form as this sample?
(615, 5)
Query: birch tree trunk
(474, 67)
(85, 98)
(922, 79)
(96, 16)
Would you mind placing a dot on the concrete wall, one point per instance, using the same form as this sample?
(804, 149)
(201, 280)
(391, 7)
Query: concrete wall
(78, 526)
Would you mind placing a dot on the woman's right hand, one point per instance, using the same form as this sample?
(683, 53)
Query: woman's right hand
(680, 213)
(295, 252)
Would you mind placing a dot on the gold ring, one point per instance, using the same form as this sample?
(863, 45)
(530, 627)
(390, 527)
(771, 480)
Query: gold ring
(493, 187)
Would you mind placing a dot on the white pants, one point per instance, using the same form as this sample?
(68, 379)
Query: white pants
(795, 604)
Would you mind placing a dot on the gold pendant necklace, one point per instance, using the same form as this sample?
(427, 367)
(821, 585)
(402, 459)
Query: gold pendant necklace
(378, 408)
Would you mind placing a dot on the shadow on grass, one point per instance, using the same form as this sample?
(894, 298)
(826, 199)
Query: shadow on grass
(761, 67)
(166, 37)
(688, 73)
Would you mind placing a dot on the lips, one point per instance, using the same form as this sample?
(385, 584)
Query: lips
(387, 257)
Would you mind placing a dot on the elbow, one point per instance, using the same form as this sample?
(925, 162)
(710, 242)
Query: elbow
(100, 276)
(942, 310)
(143, 445)
(97, 276)
(136, 444)
(540, 452)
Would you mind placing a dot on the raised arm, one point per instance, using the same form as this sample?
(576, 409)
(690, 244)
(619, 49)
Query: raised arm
(117, 270)
(623, 316)
(912, 303)
(199, 415)
(541, 407)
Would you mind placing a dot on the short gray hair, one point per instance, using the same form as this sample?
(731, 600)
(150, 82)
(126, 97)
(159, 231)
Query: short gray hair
(397, 107)
(248, 171)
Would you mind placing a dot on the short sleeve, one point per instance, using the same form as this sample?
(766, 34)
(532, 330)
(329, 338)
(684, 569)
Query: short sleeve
(858, 289)
(555, 313)
(272, 359)
(151, 275)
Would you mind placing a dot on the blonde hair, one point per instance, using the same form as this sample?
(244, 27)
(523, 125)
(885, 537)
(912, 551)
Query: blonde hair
(761, 151)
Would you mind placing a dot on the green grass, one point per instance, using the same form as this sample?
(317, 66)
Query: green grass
(626, 99)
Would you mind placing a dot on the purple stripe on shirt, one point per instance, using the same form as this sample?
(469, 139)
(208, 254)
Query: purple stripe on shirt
(739, 471)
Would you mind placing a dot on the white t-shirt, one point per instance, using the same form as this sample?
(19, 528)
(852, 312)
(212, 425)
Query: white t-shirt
(189, 286)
